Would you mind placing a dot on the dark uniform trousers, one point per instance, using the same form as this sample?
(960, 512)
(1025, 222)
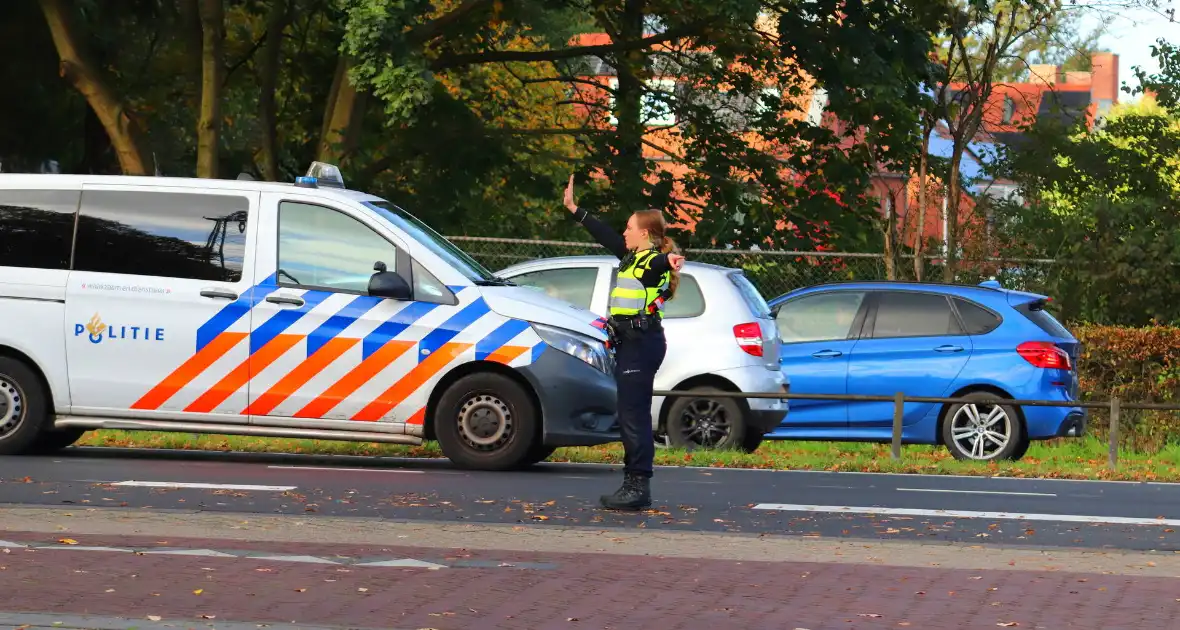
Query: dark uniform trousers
(638, 357)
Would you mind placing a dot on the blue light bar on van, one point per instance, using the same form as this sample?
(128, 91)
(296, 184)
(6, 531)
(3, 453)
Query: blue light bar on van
(306, 182)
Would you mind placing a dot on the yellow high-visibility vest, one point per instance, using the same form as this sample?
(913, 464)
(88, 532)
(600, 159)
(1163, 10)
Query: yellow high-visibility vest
(630, 297)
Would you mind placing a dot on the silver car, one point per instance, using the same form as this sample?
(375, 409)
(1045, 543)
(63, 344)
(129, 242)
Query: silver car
(720, 336)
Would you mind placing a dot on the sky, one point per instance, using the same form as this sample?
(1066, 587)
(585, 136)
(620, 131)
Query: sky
(1131, 32)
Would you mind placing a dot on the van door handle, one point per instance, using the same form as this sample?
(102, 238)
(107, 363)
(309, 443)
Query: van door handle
(827, 354)
(218, 293)
(949, 348)
(281, 299)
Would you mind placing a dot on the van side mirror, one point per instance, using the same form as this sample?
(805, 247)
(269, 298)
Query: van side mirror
(387, 284)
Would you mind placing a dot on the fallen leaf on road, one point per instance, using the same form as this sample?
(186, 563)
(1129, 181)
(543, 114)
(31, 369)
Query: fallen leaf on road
(362, 590)
(571, 618)
(198, 591)
(208, 616)
(1151, 564)
(870, 615)
(154, 617)
(67, 541)
(540, 517)
(976, 577)
(892, 531)
(1007, 624)
(110, 590)
(300, 590)
(264, 570)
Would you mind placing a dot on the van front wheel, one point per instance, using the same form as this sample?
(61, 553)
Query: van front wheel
(24, 407)
(486, 421)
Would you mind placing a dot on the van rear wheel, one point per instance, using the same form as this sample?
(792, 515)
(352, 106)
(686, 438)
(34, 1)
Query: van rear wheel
(24, 407)
(487, 421)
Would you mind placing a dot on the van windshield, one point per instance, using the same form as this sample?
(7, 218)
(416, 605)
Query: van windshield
(445, 249)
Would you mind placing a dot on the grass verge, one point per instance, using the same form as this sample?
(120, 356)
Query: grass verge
(1060, 459)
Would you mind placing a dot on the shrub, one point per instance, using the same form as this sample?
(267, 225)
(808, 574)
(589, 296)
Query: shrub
(1136, 365)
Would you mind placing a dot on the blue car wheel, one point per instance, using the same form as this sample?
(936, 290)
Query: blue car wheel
(983, 431)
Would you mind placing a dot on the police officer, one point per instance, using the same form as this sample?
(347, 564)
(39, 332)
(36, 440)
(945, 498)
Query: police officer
(648, 276)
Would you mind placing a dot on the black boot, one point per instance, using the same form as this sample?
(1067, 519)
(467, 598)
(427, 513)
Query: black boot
(634, 494)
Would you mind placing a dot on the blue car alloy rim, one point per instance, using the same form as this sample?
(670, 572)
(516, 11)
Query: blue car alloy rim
(981, 431)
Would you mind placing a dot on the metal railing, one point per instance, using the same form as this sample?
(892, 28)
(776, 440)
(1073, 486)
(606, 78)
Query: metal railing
(1114, 405)
(775, 272)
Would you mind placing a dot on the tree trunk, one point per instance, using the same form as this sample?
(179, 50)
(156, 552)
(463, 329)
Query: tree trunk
(342, 117)
(950, 262)
(76, 67)
(923, 200)
(629, 167)
(276, 23)
(212, 75)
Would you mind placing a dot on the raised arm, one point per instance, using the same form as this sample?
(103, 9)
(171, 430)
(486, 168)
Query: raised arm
(602, 233)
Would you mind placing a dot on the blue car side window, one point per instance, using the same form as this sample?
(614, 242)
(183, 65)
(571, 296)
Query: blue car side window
(906, 314)
(818, 317)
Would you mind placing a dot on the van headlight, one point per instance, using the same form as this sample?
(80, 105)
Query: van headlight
(588, 349)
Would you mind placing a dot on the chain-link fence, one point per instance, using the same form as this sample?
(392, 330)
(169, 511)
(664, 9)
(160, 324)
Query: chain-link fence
(778, 272)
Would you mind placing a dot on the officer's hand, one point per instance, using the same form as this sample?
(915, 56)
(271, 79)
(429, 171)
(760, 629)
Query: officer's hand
(676, 260)
(570, 204)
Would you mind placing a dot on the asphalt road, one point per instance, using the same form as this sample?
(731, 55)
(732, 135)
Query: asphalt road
(985, 511)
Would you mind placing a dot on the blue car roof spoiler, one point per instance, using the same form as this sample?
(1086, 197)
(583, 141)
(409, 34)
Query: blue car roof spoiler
(1019, 298)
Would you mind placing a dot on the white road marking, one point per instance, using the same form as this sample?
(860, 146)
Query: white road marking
(1019, 494)
(404, 562)
(207, 553)
(381, 470)
(884, 511)
(209, 486)
(311, 559)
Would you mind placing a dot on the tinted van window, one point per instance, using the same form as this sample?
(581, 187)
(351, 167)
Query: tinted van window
(37, 228)
(175, 235)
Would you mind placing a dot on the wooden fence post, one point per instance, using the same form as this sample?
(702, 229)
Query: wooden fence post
(898, 413)
(1114, 432)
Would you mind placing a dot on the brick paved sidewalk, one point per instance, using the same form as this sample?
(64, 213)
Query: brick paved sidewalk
(566, 591)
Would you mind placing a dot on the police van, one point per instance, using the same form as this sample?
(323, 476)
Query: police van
(299, 310)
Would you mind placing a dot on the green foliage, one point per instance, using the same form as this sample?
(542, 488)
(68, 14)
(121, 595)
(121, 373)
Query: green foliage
(1165, 83)
(1105, 201)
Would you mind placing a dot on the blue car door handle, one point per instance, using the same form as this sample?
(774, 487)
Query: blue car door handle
(827, 354)
(949, 348)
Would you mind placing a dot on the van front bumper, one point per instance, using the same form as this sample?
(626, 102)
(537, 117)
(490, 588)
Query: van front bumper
(579, 404)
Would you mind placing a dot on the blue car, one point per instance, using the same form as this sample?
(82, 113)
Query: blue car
(927, 340)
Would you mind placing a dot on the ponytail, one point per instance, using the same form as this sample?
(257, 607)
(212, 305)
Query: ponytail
(669, 246)
(653, 222)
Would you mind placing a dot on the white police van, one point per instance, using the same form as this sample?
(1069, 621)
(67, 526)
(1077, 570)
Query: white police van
(270, 309)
